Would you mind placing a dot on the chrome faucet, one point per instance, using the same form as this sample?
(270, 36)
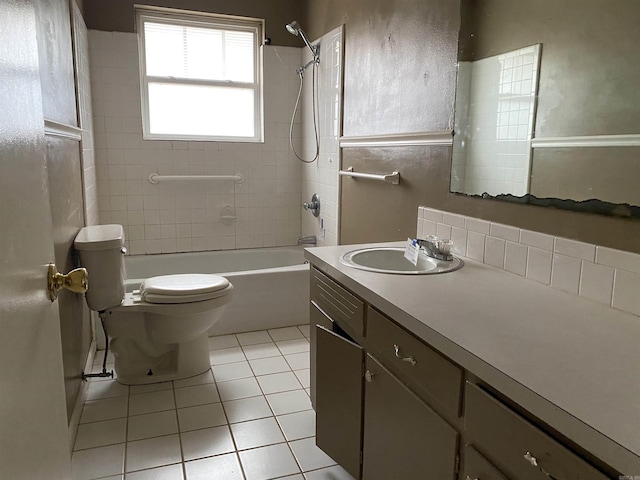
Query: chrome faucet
(436, 248)
(310, 240)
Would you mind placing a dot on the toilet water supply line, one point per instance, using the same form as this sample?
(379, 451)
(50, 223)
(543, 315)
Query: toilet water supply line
(104, 372)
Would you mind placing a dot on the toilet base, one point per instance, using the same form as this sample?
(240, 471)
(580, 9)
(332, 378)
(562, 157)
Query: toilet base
(135, 364)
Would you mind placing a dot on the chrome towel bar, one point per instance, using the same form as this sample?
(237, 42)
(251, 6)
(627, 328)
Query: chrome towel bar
(155, 178)
(392, 178)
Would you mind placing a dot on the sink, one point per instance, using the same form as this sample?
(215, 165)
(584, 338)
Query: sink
(391, 260)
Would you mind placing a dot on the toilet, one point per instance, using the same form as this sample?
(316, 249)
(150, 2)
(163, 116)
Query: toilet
(159, 332)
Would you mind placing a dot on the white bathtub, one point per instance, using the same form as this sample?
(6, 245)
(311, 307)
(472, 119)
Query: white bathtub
(271, 285)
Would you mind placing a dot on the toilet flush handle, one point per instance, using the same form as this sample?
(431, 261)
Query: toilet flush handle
(76, 281)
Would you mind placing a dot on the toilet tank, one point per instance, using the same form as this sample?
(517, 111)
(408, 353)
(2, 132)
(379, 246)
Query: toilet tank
(101, 250)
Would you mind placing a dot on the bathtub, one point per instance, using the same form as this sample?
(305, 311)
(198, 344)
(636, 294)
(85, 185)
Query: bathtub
(271, 285)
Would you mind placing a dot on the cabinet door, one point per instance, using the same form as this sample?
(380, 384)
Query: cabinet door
(339, 372)
(316, 317)
(403, 438)
(476, 467)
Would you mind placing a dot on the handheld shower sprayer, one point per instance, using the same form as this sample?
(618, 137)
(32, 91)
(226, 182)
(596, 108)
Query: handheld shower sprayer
(294, 29)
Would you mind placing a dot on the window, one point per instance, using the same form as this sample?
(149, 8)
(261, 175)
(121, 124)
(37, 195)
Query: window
(200, 76)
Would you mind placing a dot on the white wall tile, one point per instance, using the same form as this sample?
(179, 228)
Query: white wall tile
(618, 259)
(596, 282)
(539, 265)
(443, 231)
(433, 215)
(505, 232)
(494, 252)
(536, 239)
(565, 274)
(575, 249)
(454, 220)
(475, 246)
(477, 225)
(515, 260)
(459, 239)
(625, 291)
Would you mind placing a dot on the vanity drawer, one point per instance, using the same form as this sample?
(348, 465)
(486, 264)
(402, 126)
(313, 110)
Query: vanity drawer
(424, 370)
(516, 446)
(338, 303)
(476, 467)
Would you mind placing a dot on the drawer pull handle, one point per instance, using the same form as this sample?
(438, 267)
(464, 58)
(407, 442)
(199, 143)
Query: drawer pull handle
(410, 360)
(369, 376)
(534, 462)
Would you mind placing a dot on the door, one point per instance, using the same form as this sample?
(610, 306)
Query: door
(33, 423)
(403, 437)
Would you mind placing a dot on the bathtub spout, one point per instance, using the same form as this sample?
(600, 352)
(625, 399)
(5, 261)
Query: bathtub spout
(310, 240)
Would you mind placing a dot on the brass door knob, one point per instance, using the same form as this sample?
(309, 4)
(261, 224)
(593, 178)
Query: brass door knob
(76, 281)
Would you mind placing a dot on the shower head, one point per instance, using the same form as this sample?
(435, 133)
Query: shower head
(294, 29)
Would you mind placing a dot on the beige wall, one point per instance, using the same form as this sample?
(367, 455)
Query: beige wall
(118, 15)
(371, 27)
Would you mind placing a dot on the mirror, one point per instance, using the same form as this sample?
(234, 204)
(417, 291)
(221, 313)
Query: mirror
(548, 104)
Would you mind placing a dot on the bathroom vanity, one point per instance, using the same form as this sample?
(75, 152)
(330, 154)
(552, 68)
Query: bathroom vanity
(472, 374)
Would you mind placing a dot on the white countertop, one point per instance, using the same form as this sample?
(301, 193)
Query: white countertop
(571, 362)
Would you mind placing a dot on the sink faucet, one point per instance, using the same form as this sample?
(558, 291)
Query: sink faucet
(436, 248)
(310, 240)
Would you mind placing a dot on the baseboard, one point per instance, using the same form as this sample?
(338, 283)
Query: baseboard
(74, 421)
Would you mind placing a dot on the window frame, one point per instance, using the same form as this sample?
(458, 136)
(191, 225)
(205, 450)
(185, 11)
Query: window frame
(171, 16)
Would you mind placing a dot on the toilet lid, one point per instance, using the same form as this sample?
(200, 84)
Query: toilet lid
(183, 288)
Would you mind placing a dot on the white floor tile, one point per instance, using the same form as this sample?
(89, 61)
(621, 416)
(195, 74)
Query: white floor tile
(196, 395)
(298, 345)
(247, 409)
(151, 402)
(202, 416)
(98, 462)
(152, 425)
(298, 361)
(256, 433)
(100, 434)
(152, 387)
(201, 379)
(309, 456)
(303, 377)
(298, 476)
(261, 350)
(252, 338)
(305, 329)
(287, 333)
(289, 402)
(206, 442)
(107, 409)
(223, 341)
(170, 472)
(265, 366)
(332, 473)
(298, 425)
(153, 452)
(235, 389)
(231, 371)
(222, 467)
(278, 382)
(106, 389)
(268, 462)
(226, 355)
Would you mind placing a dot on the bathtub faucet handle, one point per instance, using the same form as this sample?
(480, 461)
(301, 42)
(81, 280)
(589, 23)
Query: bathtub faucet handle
(313, 205)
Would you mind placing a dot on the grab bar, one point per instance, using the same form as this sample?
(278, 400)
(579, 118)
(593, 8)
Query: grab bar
(392, 178)
(155, 178)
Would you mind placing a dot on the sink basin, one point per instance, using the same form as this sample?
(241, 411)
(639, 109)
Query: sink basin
(391, 260)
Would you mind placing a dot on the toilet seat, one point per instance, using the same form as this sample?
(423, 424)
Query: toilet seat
(183, 288)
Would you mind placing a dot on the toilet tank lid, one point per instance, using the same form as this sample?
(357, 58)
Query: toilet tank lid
(99, 237)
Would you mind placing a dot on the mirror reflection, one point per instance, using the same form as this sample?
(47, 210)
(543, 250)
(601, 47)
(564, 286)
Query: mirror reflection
(547, 108)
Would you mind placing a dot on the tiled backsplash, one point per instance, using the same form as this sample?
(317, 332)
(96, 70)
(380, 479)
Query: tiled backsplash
(601, 274)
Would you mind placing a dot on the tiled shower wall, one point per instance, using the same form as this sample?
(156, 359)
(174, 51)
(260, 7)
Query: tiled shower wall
(321, 176)
(601, 274)
(185, 216)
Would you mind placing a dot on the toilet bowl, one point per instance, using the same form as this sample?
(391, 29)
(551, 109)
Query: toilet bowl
(160, 332)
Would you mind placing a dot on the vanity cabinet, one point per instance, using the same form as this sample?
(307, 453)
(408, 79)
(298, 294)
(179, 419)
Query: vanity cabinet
(389, 406)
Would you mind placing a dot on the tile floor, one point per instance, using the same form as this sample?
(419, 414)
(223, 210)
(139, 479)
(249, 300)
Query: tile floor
(248, 418)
